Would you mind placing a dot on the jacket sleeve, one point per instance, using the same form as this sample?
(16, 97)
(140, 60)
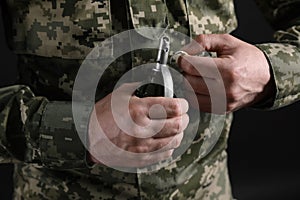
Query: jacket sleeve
(35, 130)
(283, 56)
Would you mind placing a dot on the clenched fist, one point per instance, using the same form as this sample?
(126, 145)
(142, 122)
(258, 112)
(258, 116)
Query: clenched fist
(156, 126)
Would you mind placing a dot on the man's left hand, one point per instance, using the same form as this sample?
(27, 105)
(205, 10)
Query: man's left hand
(241, 68)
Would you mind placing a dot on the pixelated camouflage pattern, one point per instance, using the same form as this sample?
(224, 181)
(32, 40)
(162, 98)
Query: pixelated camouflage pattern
(52, 38)
(215, 16)
(284, 56)
(199, 16)
(47, 26)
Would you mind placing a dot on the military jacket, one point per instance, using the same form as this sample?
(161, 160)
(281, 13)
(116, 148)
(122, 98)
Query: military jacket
(52, 38)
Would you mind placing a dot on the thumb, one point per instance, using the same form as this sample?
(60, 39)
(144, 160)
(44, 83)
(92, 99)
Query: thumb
(209, 42)
(128, 88)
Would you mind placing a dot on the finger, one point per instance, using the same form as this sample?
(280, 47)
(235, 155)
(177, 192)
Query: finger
(201, 102)
(161, 128)
(150, 145)
(128, 87)
(172, 143)
(209, 42)
(172, 126)
(104, 153)
(172, 106)
(200, 66)
(193, 48)
(216, 42)
(204, 103)
(165, 144)
(199, 84)
(138, 111)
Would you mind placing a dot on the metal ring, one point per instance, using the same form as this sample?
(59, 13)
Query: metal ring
(174, 58)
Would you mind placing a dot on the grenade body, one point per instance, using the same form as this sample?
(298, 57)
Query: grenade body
(160, 81)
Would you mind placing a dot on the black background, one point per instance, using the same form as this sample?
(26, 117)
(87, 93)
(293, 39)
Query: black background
(263, 145)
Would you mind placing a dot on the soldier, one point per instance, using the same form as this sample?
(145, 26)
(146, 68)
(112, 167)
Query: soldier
(51, 40)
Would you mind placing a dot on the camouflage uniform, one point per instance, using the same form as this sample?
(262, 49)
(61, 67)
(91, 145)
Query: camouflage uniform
(51, 39)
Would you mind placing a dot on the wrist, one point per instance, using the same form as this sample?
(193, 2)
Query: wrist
(266, 98)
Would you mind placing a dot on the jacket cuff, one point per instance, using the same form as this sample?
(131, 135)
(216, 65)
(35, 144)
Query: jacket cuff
(284, 60)
(60, 144)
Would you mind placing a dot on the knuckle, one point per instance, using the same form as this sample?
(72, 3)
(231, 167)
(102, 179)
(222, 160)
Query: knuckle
(203, 41)
(176, 142)
(169, 153)
(230, 75)
(183, 61)
(229, 40)
(230, 107)
(236, 72)
(189, 66)
(160, 145)
(178, 125)
(185, 121)
(226, 36)
(136, 131)
(139, 149)
(137, 112)
(201, 38)
(232, 95)
(175, 107)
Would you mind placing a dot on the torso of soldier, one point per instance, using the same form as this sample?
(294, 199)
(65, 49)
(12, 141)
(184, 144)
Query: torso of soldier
(52, 38)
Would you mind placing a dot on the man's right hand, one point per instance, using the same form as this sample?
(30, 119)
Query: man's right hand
(157, 130)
